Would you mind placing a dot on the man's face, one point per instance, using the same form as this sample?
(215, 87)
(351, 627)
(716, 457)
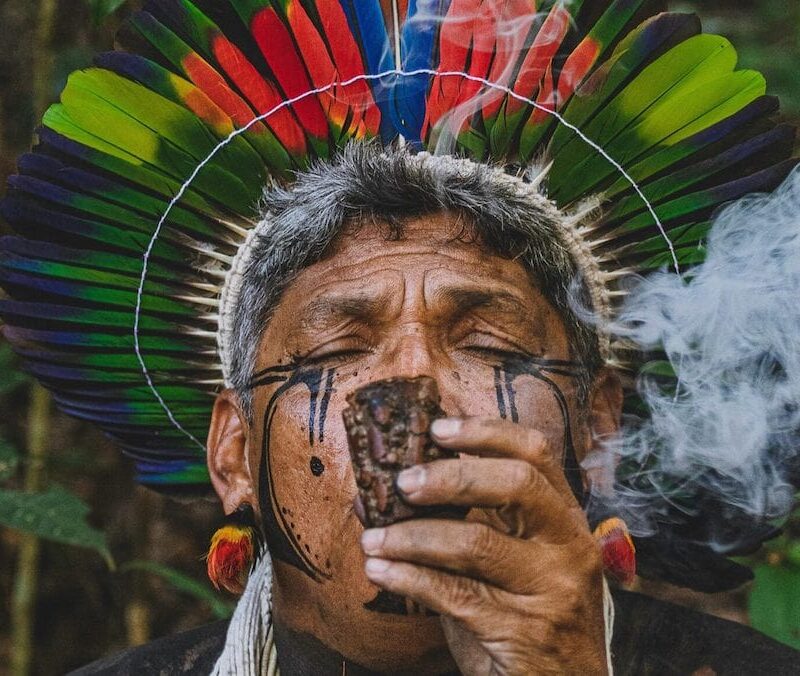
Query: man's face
(374, 309)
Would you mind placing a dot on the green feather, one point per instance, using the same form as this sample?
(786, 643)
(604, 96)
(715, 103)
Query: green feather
(631, 126)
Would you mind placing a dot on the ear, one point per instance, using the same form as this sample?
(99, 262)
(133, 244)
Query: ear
(228, 454)
(604, 419)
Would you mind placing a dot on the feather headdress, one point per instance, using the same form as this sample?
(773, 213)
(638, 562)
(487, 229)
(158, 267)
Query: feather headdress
(143, 185)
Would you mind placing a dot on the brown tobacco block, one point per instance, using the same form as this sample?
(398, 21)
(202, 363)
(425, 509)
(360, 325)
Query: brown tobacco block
(387, 425)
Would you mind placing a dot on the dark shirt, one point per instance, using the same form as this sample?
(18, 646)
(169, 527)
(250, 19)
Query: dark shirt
(650, 637)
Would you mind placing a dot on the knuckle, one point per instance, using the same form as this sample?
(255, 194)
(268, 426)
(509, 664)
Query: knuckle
(407, 578)
(411, 538)
(462, 478)
(481, 543)
(487, 552)
(487, 424)
(418, 577)
(443, 479)
(489, 430)
(464, 595)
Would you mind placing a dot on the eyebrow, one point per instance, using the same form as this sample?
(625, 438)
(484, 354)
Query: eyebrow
(321, 312)
(467, 299)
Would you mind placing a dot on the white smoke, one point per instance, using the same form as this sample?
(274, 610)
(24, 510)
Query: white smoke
(731, 330)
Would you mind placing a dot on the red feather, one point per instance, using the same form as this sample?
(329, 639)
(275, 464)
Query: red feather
(349, 64)
(261, 94)
(577, 67)
(230, 557)
(540, 56)
(217, 89)
(279, 50)
(512, 32)
(318, 64)
(484, 38)
(455, 42)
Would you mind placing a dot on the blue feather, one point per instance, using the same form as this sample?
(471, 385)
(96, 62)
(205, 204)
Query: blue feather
(367, 25)
(417, 51)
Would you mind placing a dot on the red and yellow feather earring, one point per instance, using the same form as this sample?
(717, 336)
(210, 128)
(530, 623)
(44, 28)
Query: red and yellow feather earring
(234, 550)
(618, 550)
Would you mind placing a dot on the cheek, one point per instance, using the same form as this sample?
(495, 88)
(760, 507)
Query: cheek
(537, 406)
(468, 389)
(548, 406)
(310, 482)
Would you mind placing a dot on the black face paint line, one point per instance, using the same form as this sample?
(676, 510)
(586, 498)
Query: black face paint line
(510, 369)
(284, 543)
(323, 406)
(498, 389)
(313, 389)
(389, 603)
(512, 402)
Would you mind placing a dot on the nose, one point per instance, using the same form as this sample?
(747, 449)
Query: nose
(411, 354)
(415, 352)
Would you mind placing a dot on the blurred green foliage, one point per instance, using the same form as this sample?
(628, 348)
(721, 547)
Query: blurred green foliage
(221, 608)
(102, 9)
(766, 35)
(9, 460)
(54, 514)
(774, 603)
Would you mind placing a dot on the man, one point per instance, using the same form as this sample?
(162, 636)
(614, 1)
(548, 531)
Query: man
(420, 288)
(427, 285)
(370, 260)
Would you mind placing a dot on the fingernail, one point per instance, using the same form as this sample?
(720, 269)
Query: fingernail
(376, 566)
(372, 540)
(410, 480)
(446, 427)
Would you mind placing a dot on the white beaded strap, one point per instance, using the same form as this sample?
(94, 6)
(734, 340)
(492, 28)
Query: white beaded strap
(608, 619)
(249, 644)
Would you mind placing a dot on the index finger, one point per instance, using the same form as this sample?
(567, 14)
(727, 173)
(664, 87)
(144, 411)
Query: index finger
(492, 437)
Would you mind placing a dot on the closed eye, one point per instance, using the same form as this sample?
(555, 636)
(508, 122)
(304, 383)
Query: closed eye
(332, 354)
(487, 345)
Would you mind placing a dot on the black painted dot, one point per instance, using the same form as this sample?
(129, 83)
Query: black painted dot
(317, 467)
(308, 549)
(283, 509)
(299, 537)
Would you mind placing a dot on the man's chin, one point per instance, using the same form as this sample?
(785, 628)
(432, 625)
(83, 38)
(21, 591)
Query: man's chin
(385, 633)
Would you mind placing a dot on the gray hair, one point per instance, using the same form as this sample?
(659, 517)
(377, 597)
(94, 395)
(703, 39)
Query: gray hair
(368, 183)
